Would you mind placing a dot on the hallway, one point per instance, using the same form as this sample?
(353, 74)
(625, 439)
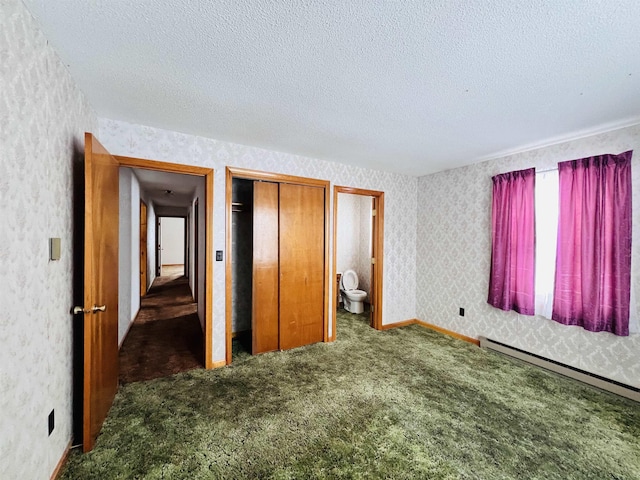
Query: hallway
(166, 336)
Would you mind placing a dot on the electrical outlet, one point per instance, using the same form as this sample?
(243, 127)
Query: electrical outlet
(461, 312)
(218, 255)
(52, 422)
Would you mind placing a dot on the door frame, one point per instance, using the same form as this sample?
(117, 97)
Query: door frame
(207, 174)
(248, 174)
(144, 254)
(377, 249)
(185, 239)
(196, 244)
(158, 244)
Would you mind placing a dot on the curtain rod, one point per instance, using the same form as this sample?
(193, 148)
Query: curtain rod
(547, 170)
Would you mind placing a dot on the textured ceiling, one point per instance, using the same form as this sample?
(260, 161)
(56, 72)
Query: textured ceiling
(406, 86)
(168, 189)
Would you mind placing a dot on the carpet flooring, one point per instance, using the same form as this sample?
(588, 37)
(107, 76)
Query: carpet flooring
(166, 337)
(404, 403)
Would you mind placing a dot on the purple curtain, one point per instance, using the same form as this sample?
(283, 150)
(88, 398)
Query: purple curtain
(511, 283)
(593, 262)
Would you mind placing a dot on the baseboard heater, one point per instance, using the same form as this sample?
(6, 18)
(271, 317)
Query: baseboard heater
(575, 373)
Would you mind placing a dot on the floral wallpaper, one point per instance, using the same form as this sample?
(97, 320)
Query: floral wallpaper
(453, 257)
(122, 138)
(43, 117)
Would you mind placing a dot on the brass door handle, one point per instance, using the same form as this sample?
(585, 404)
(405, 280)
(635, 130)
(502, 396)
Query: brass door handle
(96, 309)
(77, 310)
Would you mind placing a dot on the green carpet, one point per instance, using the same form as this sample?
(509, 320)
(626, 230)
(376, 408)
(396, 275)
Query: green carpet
(404, 403)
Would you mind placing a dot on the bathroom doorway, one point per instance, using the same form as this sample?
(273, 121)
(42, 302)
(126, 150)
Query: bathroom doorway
(358, 232)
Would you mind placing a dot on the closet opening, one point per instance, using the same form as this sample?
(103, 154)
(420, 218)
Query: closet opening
(277, 262)
(241, 254)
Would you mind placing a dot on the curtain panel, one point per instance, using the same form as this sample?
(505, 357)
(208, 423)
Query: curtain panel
(593, 261)
(512, 278)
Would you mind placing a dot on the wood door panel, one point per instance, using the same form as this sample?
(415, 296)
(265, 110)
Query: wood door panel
(264, 318)
(101, 288)
(301, 216)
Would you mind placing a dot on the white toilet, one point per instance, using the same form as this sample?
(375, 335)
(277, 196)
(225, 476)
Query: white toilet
(353, 299)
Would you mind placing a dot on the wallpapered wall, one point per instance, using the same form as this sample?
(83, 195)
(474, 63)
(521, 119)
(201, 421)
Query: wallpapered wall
(43, 117)
(453, 252)
(354, 237)
(122, 138)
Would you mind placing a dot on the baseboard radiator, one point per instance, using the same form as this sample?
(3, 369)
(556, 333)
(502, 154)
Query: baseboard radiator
(575, 373)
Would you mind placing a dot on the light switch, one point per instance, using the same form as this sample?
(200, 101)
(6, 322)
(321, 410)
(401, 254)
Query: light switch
(54, 249)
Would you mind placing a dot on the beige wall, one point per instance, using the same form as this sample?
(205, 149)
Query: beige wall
(453, 253)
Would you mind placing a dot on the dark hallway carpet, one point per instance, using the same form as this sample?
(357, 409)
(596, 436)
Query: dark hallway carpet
(166, 336)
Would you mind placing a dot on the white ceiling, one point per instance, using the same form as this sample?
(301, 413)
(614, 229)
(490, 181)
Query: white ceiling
(168, 189)
(407, 86)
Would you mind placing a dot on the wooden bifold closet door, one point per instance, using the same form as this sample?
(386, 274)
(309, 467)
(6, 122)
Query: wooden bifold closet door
(288, 266)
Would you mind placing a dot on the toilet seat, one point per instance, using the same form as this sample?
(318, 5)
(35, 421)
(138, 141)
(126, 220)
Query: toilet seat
(349, 281)
(353, 298)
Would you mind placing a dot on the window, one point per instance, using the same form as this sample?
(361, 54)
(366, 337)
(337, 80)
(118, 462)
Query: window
(582, 238)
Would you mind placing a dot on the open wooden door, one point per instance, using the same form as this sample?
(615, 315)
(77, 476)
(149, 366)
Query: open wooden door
(100, 288)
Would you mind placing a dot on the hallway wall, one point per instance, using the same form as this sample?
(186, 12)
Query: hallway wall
(128, 252)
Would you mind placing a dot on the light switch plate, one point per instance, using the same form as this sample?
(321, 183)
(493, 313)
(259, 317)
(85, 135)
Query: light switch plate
(54, 249)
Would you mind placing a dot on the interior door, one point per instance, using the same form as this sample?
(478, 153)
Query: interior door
(301, 218)
(143, 249)
(100, 288)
